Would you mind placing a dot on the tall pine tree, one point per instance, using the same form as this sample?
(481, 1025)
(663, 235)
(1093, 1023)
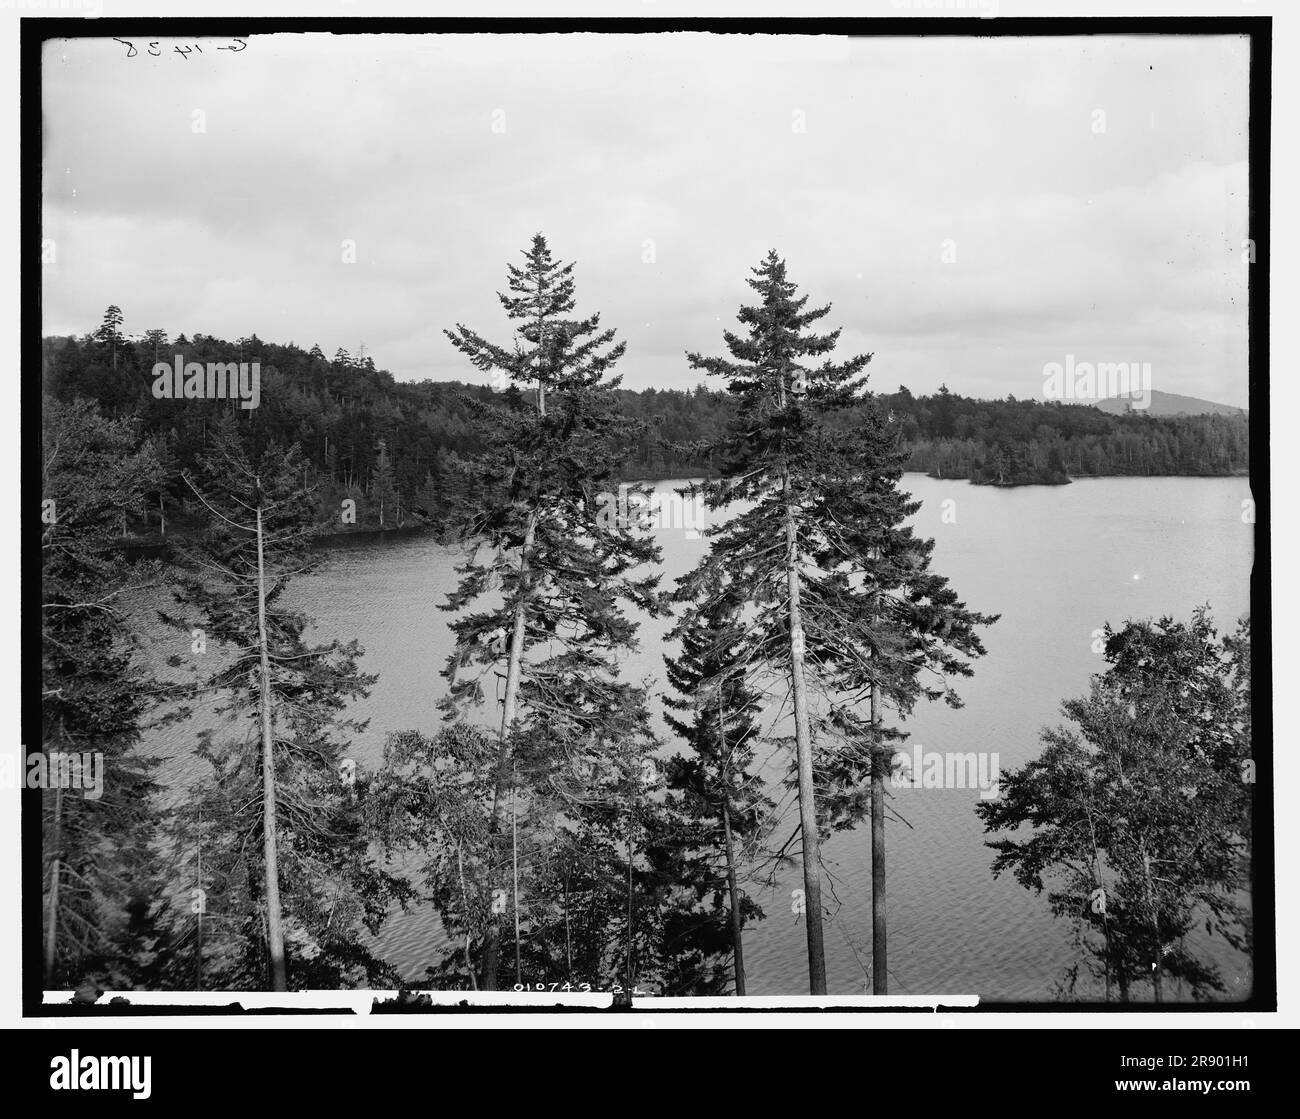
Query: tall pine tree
(541, 505)
(278, 824)
(844, 607)
(94, 694)
(715, 787)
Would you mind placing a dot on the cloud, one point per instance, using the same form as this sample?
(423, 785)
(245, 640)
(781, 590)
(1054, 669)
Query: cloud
(666, 166)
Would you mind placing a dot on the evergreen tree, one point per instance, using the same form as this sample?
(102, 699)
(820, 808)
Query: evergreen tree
(154, 341)
(583, 902)
(541, 293)
(540, 503)
(595, 799)
(94, 696)
(278, 825)
(714, 792)
(844, 605)
(383, 493)
(891, 629)
(110, 331)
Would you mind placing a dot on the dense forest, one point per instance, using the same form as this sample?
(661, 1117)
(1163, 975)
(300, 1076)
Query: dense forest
(562, 842)
(390, 446)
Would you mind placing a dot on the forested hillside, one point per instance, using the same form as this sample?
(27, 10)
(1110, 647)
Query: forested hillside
(387, 444)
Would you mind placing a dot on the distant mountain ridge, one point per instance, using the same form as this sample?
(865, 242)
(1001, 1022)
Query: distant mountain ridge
(1168, 404)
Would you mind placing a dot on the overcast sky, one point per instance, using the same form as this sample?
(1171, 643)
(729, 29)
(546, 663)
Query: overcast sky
(1114, 245)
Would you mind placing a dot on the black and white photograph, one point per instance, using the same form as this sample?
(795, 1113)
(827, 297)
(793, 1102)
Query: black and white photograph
(648, 516)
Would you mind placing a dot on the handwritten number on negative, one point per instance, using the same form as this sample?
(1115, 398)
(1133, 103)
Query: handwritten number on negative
(235, 46)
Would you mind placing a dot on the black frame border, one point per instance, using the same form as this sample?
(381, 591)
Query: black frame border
(36, 31)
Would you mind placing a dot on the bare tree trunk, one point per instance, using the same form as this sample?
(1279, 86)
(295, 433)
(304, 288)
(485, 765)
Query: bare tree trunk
(1105, 915)
(541, 383)
(568, 939)
(198, 953)
(631, 916)
(1158, 964)
(879, 935)
(56, 874)
(274, 929)
(198, 920)
(737, 921)
(464, 908)
(492, 938)
(514, 670)
(514, 873)
(804, 760)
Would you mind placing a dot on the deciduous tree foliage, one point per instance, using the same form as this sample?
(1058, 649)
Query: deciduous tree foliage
(1137, 823)
(431, 802)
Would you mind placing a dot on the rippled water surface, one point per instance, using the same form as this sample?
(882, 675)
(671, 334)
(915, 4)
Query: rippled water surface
(1057, 563)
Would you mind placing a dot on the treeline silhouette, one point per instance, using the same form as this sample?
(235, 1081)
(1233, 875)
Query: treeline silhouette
(390, 446)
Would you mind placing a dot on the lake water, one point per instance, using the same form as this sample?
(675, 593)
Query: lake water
(1057, 563)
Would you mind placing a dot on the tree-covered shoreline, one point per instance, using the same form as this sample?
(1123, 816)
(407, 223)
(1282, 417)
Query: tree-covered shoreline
(392, 447)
